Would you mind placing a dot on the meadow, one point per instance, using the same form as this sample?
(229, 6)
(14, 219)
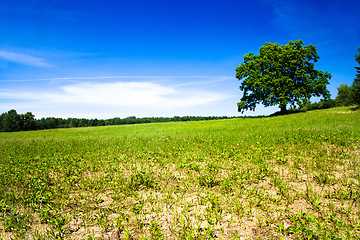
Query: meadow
(292, 177)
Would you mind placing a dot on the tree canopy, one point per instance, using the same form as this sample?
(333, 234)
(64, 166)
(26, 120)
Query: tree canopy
(281, 75)
(12, 121)
(345, 95)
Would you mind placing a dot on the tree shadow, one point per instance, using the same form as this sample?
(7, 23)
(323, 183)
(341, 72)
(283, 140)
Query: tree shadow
(288, 112)
(355, 108)
(294, 111)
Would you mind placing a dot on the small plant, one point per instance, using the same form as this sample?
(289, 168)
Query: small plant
(155, 231)
(142, 179)
(227, 184)
(58, 223)
(207, 180)
(313, 197)
(16, 221)
(281, 160)
(137, 207)
(45, 215)
(324, 178)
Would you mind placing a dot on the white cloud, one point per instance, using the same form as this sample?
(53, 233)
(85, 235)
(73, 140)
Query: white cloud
(118, 93)
(136, 98)
(24, 59)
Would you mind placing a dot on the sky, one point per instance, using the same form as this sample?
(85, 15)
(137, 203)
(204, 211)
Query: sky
(158, 58)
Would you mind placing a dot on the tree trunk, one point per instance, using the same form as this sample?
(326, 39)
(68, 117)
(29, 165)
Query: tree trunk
(283, 108)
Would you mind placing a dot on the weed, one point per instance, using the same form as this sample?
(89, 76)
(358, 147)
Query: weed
(141, 179)
(324, 178)
(155, 231)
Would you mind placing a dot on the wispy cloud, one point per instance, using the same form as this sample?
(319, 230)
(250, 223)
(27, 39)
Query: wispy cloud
(24, 59)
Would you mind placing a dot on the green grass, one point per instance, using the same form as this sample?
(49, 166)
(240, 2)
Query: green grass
(290, 177)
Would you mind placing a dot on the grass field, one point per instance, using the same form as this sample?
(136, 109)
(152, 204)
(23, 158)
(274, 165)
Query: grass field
(290, 177)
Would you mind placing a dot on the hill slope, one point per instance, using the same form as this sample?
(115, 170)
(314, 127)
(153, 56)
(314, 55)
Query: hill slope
(293, 176)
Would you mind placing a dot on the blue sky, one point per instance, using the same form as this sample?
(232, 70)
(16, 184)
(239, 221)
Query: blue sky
(104, 59)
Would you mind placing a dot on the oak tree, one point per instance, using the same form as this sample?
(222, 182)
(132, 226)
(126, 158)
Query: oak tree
(281, 75)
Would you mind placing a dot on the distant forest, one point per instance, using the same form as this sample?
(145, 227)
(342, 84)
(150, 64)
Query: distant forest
(11, 121)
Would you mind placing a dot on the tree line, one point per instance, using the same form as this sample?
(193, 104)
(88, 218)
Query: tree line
(11, 121)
